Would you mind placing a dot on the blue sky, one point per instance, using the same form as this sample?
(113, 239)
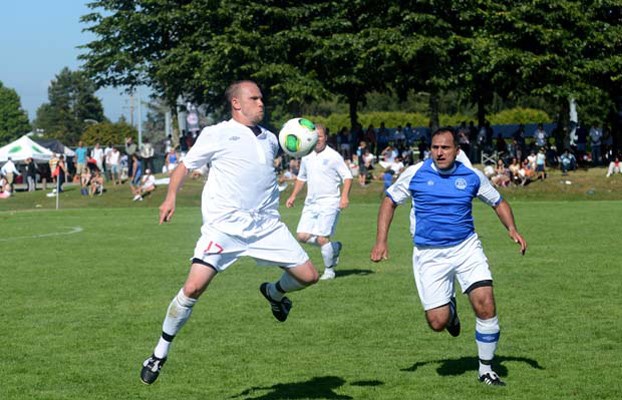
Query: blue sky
(37, 39)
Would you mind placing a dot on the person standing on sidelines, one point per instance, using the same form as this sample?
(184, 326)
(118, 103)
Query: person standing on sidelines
(324, 170)
(240, 216)
(445, 243)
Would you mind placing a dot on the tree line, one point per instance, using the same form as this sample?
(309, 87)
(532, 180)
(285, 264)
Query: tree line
(304, 51)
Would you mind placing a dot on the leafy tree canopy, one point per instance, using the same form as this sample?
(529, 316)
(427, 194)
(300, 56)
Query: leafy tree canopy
(13, 119)
(71, 108)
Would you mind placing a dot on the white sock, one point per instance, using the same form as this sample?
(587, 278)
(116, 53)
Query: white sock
(487, 334)
(327, 254)
(178, 312)
(312, 240)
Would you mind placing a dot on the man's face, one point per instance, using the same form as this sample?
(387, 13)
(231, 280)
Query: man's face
(321, 140)
(444, 150)
(249, 103)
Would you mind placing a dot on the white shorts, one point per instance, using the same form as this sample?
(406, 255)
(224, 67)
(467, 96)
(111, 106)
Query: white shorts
(436, 267)
(318, 220)
(274, 247)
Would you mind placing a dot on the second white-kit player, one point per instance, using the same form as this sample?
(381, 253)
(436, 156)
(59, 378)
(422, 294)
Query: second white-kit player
(324, 171)
(240, 216)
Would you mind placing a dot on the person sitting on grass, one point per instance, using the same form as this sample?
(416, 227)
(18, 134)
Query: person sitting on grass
(147, 186)
(85, 181)
(5, 188)
(97, 184)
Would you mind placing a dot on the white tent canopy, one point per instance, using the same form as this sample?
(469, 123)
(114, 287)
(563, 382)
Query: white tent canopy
(24, 148)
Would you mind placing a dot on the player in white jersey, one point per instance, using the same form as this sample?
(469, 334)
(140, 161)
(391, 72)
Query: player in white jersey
(324, 170)
(446, 246)
(240, 215)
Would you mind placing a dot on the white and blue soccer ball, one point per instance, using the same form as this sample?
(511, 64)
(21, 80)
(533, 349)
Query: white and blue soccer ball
(298, 137)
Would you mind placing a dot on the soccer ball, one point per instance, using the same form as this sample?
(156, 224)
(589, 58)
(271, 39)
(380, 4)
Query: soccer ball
(298, 137)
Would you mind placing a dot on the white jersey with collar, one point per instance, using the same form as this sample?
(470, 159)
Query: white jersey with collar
(442, 203)
(323, 172)
(241, 195)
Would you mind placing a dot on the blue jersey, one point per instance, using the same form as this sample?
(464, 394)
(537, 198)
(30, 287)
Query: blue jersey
(442, 201)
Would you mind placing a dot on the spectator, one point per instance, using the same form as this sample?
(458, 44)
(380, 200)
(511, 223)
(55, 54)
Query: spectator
(614, 167)
(397, 166)
(147, 186)
(31, 174)
(137, 172)
(343, 140)
(400, 137)
(387, 157)
(114, 163)
(382, 138)
(514, 169)
(85, 182)
(81, 155)
(540, 164)
(5, 188)
(130, 150)
(568, 162)
(501, 177)
(540, 136)
(146, 153)
(9, 171)
(62, 172)
(170, 161)
(97, 184)
(596, 135)
(370, 138)
(98, 155)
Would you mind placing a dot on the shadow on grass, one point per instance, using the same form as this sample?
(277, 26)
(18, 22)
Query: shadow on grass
(452, 367)
(322, 387)
(347, 272)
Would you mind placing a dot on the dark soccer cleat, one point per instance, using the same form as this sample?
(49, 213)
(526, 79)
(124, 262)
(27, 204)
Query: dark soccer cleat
(280, 309)
(151, 369)
(453, 326)
(336, 252)
(492, 379)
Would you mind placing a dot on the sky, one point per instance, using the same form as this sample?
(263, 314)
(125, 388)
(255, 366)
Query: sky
(40, 37)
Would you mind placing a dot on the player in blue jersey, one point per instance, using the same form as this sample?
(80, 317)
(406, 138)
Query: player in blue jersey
(446, 246)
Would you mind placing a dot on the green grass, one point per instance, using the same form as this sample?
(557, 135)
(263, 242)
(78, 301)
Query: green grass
(82, 310)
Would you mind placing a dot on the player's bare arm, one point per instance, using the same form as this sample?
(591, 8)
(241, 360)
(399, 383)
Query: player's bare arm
(504, 212)
(292, 198)
(344, 202)
(167, 208)
(380, 251)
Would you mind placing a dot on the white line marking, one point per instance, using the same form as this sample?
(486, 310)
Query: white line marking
(75, 229)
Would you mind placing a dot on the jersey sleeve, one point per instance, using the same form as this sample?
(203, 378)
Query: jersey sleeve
(487, 193)
(302, 172)
(203, 150)
(342, 169)
(399, 192)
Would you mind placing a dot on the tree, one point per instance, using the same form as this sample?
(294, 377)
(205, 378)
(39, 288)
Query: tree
(108, 133)
(72, 106)
(13, 119)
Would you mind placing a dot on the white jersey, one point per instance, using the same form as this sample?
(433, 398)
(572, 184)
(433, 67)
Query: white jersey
(323, 172)
(241, 195)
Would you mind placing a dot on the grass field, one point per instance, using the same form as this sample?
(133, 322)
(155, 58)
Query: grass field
(84, 290)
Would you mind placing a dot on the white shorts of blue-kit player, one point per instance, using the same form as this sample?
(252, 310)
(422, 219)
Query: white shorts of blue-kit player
(435, 269)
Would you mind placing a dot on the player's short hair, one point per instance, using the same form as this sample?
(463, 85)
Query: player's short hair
(320, 127)
(445, 129)
(234, 88)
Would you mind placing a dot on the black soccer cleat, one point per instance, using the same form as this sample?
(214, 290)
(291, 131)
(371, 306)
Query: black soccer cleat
(492, 379)
(453, 326)
(280, 309)
(151, 369)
